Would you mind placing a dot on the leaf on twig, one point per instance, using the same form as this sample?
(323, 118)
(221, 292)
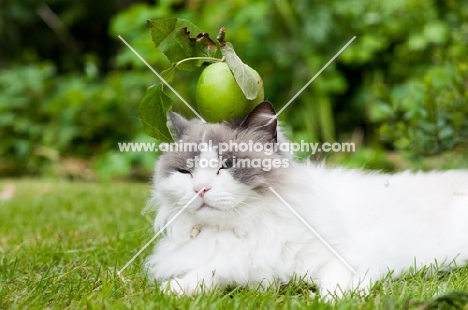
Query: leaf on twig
(153, 112)
(242, 74)
(172, 37)
(203, 44)
(169, 73)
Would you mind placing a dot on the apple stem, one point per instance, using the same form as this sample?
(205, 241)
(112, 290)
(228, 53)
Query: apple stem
(221, 39)
(200, 58)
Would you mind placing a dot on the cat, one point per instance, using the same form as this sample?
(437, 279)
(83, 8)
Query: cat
(348, 230)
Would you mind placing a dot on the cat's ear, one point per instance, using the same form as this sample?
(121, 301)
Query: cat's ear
(262, 117)
(177, 124)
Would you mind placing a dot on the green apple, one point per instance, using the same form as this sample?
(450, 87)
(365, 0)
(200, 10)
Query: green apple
(219, 97)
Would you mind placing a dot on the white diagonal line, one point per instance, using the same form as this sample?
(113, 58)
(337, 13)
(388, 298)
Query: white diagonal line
(312, 79)
(313, 230)
(162, 80)
(155, 236)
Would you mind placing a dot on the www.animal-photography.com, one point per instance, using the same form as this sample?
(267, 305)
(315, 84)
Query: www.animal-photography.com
(233, 155)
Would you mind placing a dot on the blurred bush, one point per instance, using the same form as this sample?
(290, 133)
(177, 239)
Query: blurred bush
(72, 91)
(46, 119)
(427, 115)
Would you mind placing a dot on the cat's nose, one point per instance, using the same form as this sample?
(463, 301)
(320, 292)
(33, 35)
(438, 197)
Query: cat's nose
(198, 189)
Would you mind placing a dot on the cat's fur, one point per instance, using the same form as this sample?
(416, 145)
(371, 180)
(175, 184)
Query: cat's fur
(376, 222)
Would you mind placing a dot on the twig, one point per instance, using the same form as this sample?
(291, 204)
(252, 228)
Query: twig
(221, 39)
(58, 27)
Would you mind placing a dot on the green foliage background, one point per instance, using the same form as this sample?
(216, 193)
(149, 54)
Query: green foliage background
(69, 88)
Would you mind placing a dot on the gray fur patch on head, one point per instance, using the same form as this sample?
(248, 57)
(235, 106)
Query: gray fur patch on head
(195, 131)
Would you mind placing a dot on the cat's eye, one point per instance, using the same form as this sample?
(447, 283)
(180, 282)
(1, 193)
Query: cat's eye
(184, 171)
(226, 165)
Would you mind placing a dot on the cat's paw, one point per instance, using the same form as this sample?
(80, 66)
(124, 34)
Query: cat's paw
(172, 286)
(183, 286)
(331, 293)
(179, 287)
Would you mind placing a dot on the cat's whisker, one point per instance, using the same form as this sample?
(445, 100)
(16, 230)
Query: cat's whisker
(245, 208)
(234, 209)
(237, 196)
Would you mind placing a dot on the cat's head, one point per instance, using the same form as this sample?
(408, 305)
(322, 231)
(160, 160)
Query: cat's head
(224, 166)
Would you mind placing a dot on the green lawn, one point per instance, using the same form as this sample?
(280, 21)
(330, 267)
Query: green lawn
(61, 244)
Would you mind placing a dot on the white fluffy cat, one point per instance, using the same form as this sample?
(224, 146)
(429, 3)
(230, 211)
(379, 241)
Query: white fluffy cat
(237, 231)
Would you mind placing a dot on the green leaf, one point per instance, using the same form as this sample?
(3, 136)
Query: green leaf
(380, 112)
(242, 74)
(153, 112)
(436, 32)
(169, 73)
(172, 37)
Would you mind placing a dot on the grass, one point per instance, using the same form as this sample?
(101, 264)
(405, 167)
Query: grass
(62, 243)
